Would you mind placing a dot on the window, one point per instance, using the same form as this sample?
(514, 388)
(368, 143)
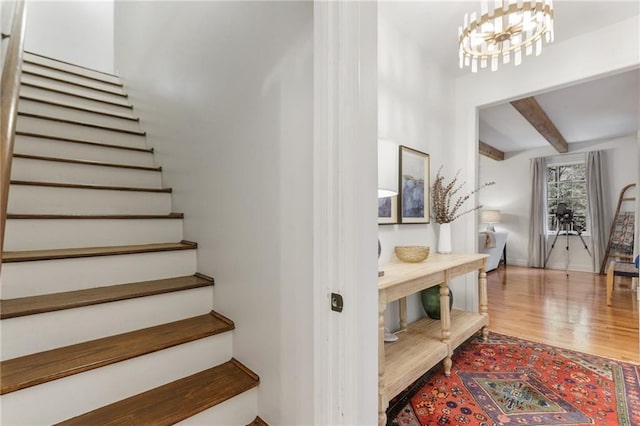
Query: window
(566, 184)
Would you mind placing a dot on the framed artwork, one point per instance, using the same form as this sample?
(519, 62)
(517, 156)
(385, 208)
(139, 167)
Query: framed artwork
(388, 210)
(414, 196)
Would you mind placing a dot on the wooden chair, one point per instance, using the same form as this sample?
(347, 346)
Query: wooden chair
(618, 269)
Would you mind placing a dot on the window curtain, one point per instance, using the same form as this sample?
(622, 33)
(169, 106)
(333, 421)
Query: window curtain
(538, 222)
(596, 206)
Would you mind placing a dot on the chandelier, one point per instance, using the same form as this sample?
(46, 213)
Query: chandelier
(509, 28)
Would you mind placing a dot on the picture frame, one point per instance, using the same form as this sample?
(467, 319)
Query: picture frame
(388, 210)
(414, 205)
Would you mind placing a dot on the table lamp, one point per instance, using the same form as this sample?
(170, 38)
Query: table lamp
(490, 217)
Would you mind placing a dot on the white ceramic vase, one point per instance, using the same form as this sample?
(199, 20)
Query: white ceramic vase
(444, 239)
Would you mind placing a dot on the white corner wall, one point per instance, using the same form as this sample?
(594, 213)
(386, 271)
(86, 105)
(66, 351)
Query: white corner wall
(80, 32)
(416, 110)
(225, 92)
(6, 18)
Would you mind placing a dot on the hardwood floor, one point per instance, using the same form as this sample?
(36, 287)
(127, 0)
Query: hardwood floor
(545, 306)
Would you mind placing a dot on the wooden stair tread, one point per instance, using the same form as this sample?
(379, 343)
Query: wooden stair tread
(34, 369)
(69, 63)
(87, 186)
(81, 123)
(77, 95)
(12, 308)
(258, 422)
(88, 216)
(38, 64)
(78, 108)
(87, 162)
(76, 83)
(69, 253)
(85, 142)
(175, 401)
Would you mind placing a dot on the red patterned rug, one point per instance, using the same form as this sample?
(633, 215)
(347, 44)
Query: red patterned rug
(511, 381)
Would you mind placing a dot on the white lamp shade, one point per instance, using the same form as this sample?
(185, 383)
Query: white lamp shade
(387, 167)
(490, 216)
(384, 193)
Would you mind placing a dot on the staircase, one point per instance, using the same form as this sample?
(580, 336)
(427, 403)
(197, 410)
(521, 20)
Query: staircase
(104, 317)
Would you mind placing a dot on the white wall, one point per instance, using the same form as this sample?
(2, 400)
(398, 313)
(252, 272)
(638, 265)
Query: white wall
(227, 101)
(80, 32)
(512, 196)
(6, 19)
(415, 110)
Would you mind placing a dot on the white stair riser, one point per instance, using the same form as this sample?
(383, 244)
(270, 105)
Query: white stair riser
(73, 89)
(41, 234)
(71, 326)
(74, 395)
(23, 279)
(70, 67)
(75, 131)
(72, 78)
(239, 410)
(55, 111)
(29, 199)
(78, 151)
(60, 172)
(49, 95)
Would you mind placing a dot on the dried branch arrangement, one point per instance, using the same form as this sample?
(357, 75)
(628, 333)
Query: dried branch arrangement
(445, 209)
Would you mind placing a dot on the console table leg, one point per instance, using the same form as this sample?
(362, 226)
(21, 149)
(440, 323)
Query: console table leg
(403, 313)
(445, 320)
(484, 303)
(382, 418)
(447, 363)
(382, 399)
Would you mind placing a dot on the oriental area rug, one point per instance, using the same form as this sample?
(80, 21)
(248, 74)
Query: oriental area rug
(511, 381)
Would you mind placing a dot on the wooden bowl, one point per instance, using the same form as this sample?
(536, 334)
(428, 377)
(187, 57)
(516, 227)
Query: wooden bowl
(412, 254)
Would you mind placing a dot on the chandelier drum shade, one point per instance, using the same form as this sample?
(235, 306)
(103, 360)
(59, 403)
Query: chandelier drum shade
(506, 30)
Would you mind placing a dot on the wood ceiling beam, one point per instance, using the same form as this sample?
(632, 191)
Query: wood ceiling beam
(534, 114)
(489, 151)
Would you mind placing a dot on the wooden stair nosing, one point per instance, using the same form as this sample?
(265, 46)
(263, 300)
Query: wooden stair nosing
(22, 216)
(86, 186)
(74, 83)
(70, 140)
(32, 305)
(258, 422)
(34, 369)
(74, 253)
(87, 162)
(79, 108)
(77, 74)
(69, 63)
(77, 95)
(175, 401)
(80, 123)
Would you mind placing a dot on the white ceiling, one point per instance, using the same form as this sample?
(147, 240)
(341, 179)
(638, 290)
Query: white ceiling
(599, 109)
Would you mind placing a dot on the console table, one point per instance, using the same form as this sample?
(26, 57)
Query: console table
(423, 344)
